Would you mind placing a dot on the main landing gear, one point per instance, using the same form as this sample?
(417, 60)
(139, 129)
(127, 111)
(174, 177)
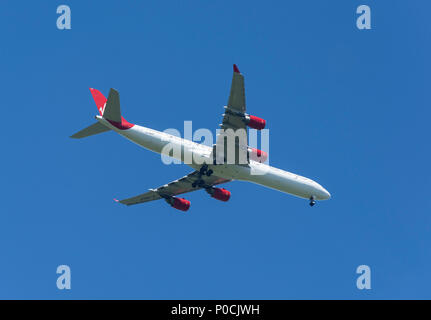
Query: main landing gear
(312, 201)
(203, 171)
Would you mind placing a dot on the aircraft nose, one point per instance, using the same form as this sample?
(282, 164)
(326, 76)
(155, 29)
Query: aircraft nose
(323, 194)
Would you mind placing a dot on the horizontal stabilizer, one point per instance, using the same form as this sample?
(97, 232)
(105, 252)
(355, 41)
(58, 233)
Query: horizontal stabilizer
(91, 130)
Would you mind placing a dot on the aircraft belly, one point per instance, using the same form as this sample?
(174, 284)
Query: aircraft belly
(144, 138)
(284, 184)
(269, 177)
(186, 151)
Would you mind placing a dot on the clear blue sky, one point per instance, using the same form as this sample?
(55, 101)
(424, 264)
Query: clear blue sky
(348, 108)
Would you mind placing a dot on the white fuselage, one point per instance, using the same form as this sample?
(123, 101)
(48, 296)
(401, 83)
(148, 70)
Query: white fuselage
(255, 172)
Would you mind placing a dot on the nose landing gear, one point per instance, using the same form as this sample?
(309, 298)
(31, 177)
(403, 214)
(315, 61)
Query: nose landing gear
(312, 201)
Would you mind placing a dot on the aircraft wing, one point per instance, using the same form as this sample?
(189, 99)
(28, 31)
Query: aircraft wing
(175, 188)
(234, 118)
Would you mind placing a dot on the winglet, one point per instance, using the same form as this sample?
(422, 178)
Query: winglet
(116, 200)
(235, 68)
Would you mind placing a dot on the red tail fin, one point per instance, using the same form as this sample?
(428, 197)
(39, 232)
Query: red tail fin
(100, 100)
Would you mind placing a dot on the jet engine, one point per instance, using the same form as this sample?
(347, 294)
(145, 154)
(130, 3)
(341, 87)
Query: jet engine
(179, 203)
(257, 155)
(255, 122)
(219, 193)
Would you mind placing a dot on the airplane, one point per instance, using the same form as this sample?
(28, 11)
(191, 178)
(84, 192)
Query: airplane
(209, 171)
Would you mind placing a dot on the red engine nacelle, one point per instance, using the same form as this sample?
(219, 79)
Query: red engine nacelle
(220, 194)
(179, 203)
(255, 122)
(257, 155)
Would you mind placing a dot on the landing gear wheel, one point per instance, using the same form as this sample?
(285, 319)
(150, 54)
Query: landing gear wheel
(203, 169)
(194, 184)
(209, 172)
(312, 201)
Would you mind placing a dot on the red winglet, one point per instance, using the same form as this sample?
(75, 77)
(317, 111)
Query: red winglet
(235, 69)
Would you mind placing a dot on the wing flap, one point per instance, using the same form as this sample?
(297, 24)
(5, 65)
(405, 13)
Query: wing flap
(144, 197)
(233, 121)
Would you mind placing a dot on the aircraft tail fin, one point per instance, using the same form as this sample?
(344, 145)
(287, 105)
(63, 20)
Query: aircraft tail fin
(112, 110)
(108, 108)
(90, 131)
(99, 99)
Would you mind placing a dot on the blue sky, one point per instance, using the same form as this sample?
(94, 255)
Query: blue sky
(347, 108)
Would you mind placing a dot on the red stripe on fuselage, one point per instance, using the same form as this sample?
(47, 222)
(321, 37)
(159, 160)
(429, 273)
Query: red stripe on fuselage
(123, 125)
